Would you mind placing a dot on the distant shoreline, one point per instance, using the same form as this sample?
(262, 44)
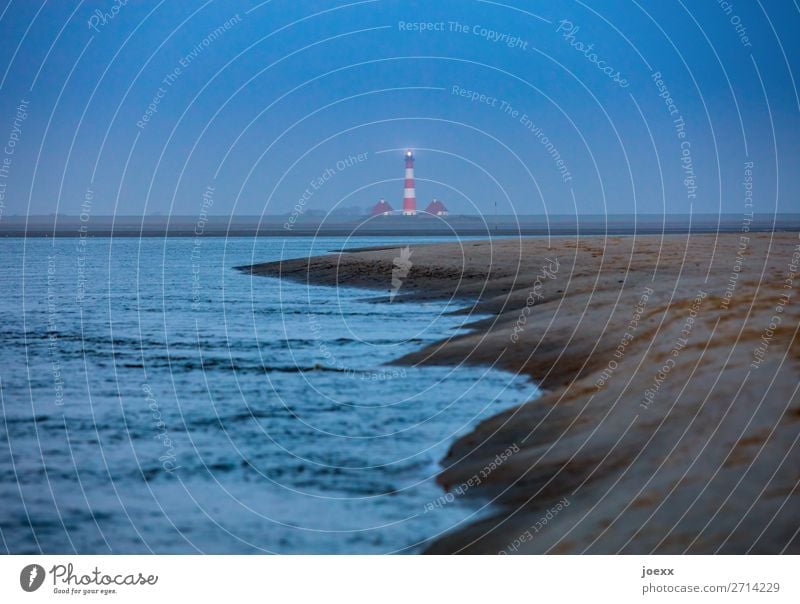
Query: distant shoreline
(385, 233)
(392, 226)
(670, 413)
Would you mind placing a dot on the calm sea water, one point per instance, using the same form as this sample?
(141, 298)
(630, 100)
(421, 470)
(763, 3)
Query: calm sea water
(154, 399)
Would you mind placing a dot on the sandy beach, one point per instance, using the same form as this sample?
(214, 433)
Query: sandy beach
(670, 414)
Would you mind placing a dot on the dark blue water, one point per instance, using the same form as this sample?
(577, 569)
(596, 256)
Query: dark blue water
(156, 400)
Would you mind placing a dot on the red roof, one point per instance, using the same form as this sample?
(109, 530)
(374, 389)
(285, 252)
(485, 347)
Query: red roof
(381, 208)
(436, 207)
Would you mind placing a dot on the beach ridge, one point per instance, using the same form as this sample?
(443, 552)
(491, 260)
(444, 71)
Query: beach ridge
(670, 415)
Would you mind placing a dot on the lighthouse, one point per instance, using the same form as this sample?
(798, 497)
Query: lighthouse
(409, 195)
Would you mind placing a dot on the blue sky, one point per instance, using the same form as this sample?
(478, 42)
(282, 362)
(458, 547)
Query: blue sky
(291, 89)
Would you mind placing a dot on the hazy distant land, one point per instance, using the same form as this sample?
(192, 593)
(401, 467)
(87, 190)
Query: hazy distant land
(316, 224)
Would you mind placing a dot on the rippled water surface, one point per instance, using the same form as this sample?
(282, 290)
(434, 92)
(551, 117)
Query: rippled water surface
(156, 399)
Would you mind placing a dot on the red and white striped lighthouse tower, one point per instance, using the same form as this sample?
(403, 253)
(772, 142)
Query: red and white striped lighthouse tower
(409, 195)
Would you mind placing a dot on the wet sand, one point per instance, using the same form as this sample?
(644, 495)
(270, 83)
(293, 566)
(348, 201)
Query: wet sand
(670, 417)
